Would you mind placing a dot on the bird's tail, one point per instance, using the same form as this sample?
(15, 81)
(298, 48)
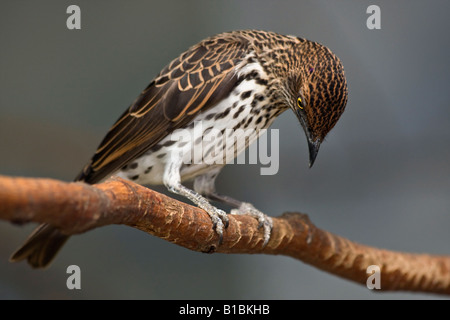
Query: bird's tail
(41, 246)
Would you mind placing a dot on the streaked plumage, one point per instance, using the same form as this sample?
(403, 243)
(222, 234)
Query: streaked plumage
(207, 82)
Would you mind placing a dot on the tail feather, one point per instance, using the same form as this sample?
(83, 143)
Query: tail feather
(44, 243)
(41, 246)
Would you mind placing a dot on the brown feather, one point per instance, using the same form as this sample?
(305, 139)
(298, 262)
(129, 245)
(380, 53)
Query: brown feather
(41, 246)
(190, 84)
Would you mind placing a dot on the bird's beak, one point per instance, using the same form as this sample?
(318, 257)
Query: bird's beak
(313, 150)
(313, 142)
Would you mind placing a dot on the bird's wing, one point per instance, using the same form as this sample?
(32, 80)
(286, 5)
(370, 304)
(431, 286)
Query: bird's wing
(190, 84)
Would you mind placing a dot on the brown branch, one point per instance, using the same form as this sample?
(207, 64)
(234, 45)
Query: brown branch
(78, 207)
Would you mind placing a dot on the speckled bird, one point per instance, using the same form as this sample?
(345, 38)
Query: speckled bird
(234, 80)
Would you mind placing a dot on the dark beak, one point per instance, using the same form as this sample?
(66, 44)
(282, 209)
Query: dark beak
(313, 143)
(313, 150)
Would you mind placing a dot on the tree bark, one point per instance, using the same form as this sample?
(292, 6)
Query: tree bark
(78, 207)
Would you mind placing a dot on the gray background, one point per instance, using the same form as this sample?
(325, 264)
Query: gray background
(381, 178)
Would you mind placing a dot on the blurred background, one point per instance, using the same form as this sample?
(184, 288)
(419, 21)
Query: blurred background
(381, 178)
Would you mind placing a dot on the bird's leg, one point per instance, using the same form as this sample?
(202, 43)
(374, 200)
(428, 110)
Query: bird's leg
(205, 185)
(172, 181)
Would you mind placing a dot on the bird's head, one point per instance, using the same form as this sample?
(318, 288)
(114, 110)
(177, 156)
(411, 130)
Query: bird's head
(317, 93)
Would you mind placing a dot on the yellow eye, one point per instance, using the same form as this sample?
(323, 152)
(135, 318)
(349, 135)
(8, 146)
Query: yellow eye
(299, 103)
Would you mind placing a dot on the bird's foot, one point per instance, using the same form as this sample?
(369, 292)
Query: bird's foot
(219, 219)
(264, 220)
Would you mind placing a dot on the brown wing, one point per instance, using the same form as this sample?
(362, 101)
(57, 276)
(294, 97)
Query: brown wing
(192, 83)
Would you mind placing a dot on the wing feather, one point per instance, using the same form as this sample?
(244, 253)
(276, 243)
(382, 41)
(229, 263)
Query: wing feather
(190, 84)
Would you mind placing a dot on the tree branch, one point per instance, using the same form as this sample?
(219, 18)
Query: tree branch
(79, 207)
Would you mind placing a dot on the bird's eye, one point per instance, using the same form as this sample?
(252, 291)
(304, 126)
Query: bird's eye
(300, 103)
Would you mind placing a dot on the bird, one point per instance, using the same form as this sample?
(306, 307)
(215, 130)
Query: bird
(234, 80)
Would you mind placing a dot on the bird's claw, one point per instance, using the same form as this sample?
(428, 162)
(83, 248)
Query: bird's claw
(220, 221)
(263, 220)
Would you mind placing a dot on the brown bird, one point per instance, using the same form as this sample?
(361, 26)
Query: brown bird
(231, 81)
